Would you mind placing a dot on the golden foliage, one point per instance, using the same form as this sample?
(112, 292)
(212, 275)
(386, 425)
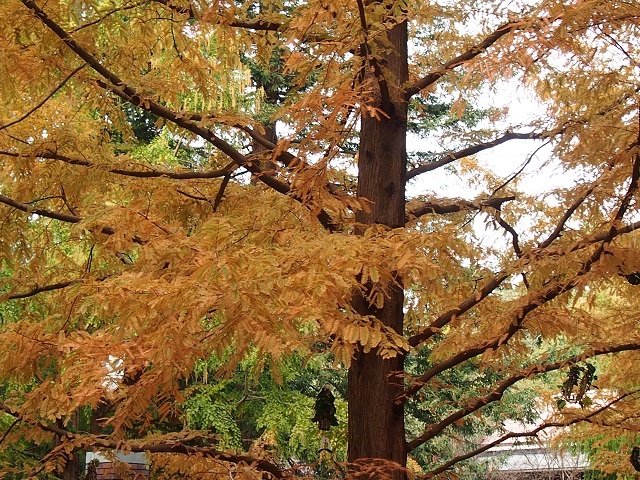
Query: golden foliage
(131, 262)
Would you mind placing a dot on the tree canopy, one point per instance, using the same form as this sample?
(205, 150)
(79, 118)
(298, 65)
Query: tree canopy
(232, 188)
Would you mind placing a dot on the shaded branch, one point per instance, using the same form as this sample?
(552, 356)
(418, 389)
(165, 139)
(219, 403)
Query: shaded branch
(466, 152)
(199, 198)
(512, 231)
(471, 301)
(64, 217)
(524, 165)
(497, 393)
(532, 433)
(39, 289)
(81, 443)
(365, 52)
(223, 186)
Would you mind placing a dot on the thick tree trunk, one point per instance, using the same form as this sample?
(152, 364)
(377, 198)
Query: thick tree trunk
(376, 424)
(257, 150)
(72, 467)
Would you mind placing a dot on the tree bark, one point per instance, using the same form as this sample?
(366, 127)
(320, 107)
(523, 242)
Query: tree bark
(257, 149)
(71, 469)
(376, 424)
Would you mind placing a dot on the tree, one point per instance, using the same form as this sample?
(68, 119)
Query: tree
(133, 264)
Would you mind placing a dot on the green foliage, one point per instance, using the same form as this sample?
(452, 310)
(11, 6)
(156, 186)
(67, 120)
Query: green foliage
(210, 407)
(271, 410)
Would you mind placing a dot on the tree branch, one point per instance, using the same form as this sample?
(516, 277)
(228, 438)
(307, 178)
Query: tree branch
(532, 433)
(249, 24)
(39, 289)
(469, 54)
(140, 446)
(365, 51)
(117, 86)
(63, 217)
(497, 393)
(120, 88)
(540, 298)
(45, 288)
(466, 152)
(223, 186)
(51, 155)
(534, 300)
(45, 99)
(570, 211)
(445, 206)
(511, 231)
(471, 301)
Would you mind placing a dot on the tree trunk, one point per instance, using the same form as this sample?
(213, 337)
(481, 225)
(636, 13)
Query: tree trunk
(376, 424)
(71, 469)
(257, 150)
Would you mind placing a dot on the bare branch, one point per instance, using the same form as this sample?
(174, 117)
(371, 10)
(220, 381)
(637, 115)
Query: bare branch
(446, 206)
(466, 152)
(461, 59)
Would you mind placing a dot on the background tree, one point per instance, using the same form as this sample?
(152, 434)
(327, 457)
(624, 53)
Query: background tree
(134, 262)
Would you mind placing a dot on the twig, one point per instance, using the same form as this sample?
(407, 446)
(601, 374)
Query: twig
(45, 99)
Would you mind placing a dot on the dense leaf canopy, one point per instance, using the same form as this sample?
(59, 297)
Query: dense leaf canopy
(188, 183)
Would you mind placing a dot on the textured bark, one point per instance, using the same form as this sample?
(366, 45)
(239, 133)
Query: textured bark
(259, 152)
(376, 424)
(71, 470)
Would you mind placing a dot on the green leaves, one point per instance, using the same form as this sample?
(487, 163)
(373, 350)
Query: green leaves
(211, 408)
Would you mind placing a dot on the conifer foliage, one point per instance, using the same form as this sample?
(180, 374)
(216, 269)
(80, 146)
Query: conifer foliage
(187, 180)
